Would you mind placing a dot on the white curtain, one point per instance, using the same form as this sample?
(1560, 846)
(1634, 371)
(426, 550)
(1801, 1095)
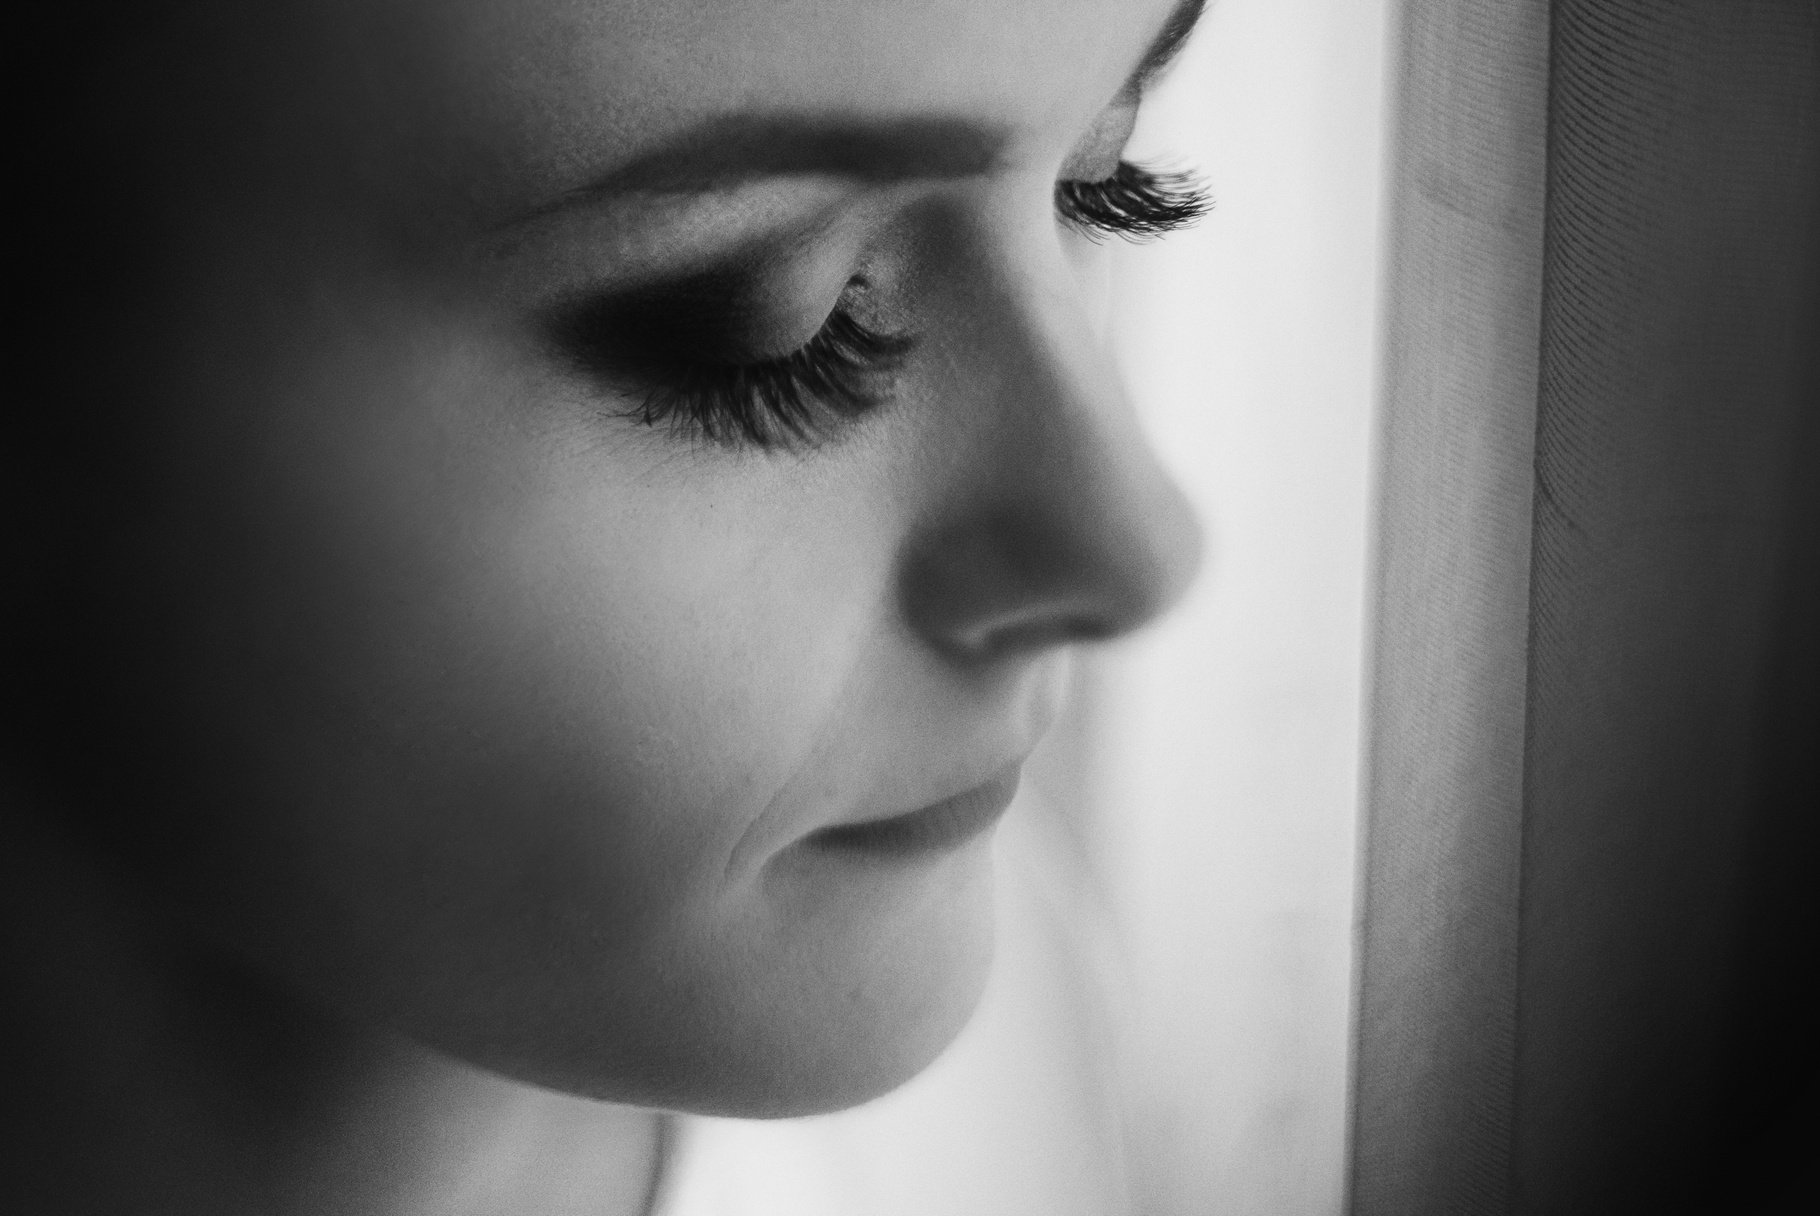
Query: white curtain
(1583, 623)
(1225, 747)
(1589, 908)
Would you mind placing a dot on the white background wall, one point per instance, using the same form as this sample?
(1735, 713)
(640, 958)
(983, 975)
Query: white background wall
(1226, 763)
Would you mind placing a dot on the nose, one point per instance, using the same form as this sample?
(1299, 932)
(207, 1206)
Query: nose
(1056, 524)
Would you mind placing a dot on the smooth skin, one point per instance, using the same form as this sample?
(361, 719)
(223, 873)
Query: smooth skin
(469, 738)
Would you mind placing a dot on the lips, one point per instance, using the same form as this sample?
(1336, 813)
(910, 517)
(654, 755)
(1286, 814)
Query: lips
(938, 828)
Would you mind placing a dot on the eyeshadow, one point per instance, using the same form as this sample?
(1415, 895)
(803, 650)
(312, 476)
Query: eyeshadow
(721, 316)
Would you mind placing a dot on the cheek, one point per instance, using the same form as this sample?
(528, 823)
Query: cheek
(482, 713)
(594, 660)
(681, 643)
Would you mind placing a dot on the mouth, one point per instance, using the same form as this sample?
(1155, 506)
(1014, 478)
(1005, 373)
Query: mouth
(940, 827)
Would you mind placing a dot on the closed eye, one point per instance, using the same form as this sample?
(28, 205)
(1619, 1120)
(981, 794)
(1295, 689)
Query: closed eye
(785, 401)
(845, 369)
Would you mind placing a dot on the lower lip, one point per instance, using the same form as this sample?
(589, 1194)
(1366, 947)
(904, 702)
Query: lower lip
(939, 828)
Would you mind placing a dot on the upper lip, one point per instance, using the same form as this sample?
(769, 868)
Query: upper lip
(1007, 770)
(948, 820)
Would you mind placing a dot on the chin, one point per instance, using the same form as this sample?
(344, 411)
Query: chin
(820, 1073)
(851, 1060)
(841, 993)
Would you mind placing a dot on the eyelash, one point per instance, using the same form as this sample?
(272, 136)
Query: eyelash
(1136, 203)
(773, 403)
(786, 402)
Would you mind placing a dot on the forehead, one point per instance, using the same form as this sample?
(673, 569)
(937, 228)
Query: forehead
(559, 90)
(870, 54)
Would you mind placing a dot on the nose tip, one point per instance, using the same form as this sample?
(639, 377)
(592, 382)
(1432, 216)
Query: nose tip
(1087, 558)
(1177, 546)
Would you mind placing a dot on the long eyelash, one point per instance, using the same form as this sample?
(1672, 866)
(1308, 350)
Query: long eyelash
(841, 371)
(781, 402)
(1136, 203)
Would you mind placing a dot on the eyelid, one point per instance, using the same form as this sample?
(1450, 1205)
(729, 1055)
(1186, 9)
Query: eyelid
(1095, 156)
(785, 402)
(740, 312)
(644, 247)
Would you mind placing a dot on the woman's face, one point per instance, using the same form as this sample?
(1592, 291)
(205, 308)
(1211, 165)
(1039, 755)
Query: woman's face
(504, 666)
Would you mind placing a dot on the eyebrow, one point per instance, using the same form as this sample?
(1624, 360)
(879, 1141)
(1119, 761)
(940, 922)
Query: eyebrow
(1166, 45)
(735, 147)
(741, 147)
